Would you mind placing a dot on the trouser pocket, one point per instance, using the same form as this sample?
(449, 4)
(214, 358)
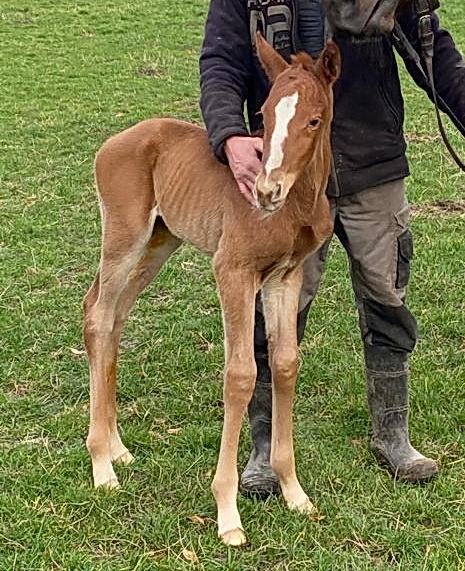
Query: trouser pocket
(392, 327)
(404, 257)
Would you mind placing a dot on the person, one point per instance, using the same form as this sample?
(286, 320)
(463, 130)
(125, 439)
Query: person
(367, 193)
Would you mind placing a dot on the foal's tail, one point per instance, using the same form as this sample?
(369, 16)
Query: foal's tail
(123, 178)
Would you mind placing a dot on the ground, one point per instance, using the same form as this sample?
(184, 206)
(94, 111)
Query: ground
(72, 74)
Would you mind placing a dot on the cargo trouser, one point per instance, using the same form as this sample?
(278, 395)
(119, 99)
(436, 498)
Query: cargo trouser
(372, 225)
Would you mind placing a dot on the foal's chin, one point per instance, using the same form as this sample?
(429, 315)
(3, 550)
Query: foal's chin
(269, 209)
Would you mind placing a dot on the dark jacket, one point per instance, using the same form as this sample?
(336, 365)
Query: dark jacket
(367, 137)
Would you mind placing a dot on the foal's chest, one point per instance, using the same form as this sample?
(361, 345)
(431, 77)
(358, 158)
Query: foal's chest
(280, 252)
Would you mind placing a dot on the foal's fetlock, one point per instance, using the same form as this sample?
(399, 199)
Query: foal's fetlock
(300, 502)
(229, 520)
(230, 527)
(295, 497)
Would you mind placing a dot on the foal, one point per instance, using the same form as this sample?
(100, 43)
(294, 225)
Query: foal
(159, 186)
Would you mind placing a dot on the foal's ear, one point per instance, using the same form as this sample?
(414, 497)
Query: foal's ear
(271, 61)
(328, 64)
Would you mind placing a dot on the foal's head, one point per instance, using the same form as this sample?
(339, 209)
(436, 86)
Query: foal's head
(359, 17)
(297, 118)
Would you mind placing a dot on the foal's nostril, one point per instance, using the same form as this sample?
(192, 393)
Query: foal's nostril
(277, 193)
(269, 195)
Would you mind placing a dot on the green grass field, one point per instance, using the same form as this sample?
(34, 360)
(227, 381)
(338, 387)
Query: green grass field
(72, 74)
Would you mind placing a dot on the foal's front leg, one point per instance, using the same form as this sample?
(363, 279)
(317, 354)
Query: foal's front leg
(237, 293)
(280, 303)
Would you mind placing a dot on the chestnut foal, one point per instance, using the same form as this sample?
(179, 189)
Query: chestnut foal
(159, 186)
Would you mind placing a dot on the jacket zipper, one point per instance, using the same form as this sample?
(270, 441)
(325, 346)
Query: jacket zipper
(335, 177)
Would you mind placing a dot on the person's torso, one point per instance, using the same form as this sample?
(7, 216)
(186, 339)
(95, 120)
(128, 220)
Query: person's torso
(368, 109)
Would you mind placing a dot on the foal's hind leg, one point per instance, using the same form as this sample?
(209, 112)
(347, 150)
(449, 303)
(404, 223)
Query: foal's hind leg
(130, 260)
(159, 248)
(280, 304)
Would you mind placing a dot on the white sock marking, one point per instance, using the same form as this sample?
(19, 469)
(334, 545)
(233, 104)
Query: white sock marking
(284, 112)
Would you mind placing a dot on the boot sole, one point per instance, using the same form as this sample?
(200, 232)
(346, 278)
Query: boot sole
(429, 472)
(261, 488)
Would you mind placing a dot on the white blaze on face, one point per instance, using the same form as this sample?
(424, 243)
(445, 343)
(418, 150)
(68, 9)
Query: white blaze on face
(284, 112)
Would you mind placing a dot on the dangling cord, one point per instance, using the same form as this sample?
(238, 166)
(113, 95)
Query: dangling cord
(426, 36)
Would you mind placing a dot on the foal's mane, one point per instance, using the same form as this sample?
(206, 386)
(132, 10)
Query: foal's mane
(304, 60)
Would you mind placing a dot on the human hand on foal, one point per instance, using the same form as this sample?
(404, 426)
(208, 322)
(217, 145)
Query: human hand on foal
(244, 156)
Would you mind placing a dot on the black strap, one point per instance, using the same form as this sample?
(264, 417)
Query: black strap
(426, 38)
(450, 148)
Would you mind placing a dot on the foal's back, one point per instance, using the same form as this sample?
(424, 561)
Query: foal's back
(195, 195)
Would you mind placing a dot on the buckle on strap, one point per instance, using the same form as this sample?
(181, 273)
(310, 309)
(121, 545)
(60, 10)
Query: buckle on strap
(426, 35)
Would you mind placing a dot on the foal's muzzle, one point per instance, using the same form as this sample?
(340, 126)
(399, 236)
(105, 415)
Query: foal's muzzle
(269, 194)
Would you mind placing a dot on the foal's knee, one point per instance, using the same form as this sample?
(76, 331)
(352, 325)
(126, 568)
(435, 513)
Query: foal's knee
(239, 382)
(284, 365)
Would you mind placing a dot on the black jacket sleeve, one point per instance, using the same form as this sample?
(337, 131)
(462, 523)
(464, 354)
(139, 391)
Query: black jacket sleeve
(311, 26)
(448, 65)
(225, 63)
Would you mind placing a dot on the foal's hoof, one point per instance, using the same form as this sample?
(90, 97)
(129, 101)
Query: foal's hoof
(124, 459)
(234, 537)
(303, 507)
(108, 484)
(105, 477)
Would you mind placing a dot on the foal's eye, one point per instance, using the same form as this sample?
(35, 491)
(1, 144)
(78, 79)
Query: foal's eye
(313, 123)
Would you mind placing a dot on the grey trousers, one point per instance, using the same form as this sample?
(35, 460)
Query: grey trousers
(372, 225)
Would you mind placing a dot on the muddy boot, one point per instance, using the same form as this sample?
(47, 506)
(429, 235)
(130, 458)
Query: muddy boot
(258, 477)
(387, 388)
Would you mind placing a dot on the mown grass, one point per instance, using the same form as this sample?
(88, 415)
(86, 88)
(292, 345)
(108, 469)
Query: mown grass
(72, 74)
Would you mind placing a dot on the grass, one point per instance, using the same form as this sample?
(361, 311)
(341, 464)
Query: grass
(72, 74)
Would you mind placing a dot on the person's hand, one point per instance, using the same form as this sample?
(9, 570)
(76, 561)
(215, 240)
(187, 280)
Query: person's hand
(244, 157)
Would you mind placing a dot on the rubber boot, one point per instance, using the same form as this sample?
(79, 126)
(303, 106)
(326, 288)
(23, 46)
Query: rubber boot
(258, 478)
(387, 388)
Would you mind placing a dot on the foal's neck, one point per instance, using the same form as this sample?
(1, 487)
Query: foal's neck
(303, 198)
